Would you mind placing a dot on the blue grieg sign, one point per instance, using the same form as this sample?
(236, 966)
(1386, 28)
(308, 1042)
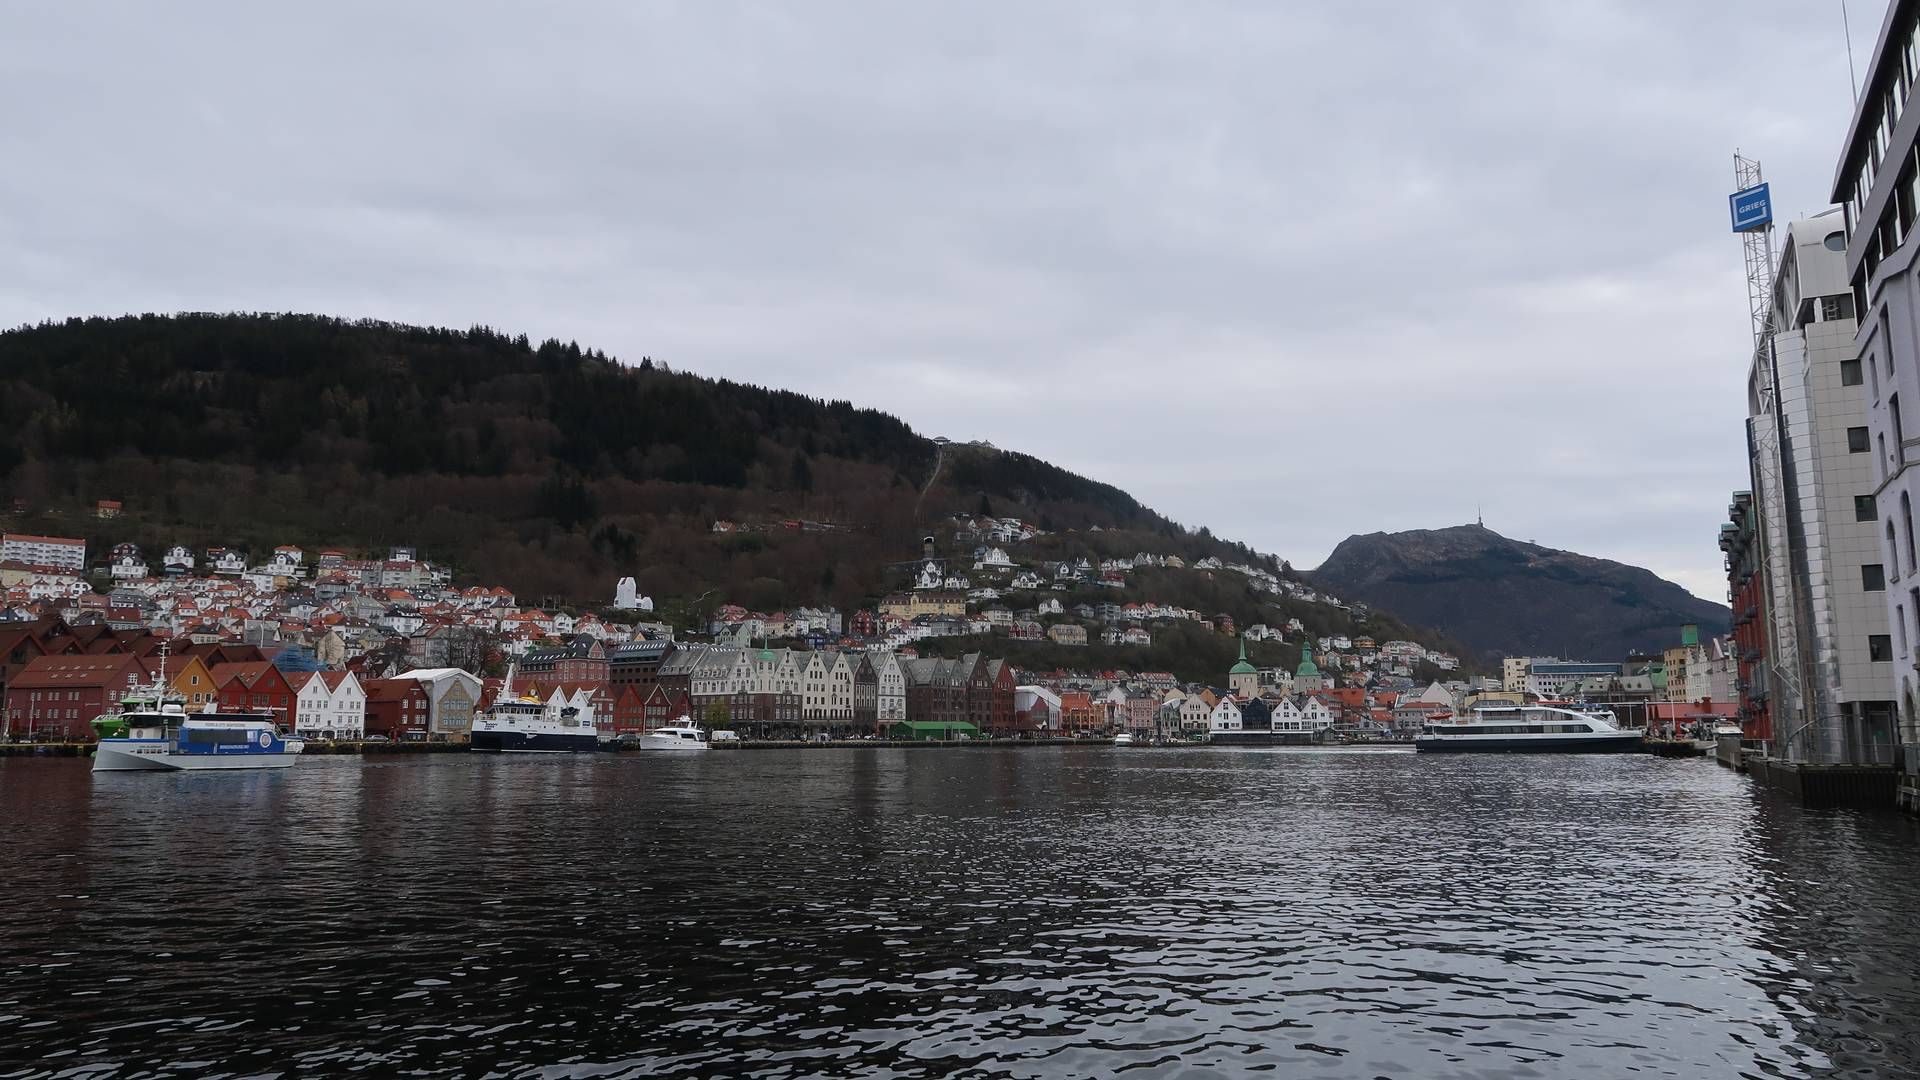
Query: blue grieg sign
(1752, 208)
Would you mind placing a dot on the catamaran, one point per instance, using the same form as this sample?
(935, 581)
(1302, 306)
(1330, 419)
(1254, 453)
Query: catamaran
(1527, 729)
(153, 731)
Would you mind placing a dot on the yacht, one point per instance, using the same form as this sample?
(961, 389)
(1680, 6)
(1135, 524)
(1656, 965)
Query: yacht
(1123, 739)
(523, 725)
(1527, 729)
(681, 735)
(153, 731)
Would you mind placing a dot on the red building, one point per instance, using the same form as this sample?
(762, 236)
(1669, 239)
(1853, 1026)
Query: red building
(398, 709)
(663, 706)
(582, 660)
(1746, 589)
(254, 686)
(57, 697)
(1076, 711)
(629, 713)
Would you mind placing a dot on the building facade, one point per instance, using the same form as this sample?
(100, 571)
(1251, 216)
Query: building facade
(1819, 510)
(54, 552)
(1877, 179)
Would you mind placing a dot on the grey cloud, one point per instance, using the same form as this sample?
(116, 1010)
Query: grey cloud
(1290, 271)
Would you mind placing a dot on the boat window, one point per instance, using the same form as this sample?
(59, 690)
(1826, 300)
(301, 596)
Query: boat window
(217, 737)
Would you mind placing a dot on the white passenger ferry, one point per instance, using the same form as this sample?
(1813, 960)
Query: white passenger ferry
(1527, 729)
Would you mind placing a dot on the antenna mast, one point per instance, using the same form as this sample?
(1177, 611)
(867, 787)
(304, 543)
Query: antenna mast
(1766, 425)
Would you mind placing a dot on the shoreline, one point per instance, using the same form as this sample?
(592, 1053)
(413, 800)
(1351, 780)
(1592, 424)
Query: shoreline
(360, 749)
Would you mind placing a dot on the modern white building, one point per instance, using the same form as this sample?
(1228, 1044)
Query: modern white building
(1875, 181)
(1821, 518)
(49, 551)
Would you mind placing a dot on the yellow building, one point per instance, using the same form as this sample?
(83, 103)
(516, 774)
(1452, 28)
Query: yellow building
(189, 678)
(924, 602)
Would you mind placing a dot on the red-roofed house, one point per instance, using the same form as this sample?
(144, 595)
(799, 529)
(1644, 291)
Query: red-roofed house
(398, 709)
(254, 686)
(55, 697)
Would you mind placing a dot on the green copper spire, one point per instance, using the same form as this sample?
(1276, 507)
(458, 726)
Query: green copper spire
(1243, 668)
(1307, 668)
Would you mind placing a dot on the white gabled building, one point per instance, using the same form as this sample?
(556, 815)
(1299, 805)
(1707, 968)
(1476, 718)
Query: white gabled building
(1195, 714)
(329, 705)
(1225, 717)
(813, 687)
(890, 681)
(840, 688)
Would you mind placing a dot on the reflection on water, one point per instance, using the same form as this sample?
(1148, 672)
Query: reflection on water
(923, 913)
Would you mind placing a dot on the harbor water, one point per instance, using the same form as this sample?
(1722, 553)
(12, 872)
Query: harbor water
(994, 913)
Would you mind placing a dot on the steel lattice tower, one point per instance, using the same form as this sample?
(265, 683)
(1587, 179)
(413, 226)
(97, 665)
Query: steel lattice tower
(1787, 660)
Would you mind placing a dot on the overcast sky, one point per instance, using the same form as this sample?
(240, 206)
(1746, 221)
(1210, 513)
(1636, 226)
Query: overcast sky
(1289, 270)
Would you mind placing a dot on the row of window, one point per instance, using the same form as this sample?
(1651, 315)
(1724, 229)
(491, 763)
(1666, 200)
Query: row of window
(1882, 115)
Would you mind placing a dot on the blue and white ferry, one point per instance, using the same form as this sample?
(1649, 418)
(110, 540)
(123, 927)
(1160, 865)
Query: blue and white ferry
(153, 732)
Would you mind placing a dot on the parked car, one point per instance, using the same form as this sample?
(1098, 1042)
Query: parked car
(376, 738)
(723, 736)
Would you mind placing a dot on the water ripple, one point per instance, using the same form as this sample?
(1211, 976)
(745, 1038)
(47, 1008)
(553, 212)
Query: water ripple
(979, 914)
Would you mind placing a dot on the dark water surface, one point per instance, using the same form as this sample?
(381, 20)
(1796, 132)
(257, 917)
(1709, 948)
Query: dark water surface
(1068, 912)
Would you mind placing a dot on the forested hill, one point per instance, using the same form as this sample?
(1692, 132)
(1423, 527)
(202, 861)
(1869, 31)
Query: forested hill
(550, 468)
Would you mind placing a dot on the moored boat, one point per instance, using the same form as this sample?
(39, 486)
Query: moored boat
(680, 736)
(1123, 739)
(153, 732)
(1527, 729)
(526, 725)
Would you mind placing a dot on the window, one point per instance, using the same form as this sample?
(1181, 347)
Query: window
(1879, 648)
(1863, 508)
(1835, 241)
(1850, 373)
(1906, 512)
(1873, 577)
(1893, 550)
(1857, 441)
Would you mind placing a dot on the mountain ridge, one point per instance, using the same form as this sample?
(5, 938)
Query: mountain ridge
(1500, 596)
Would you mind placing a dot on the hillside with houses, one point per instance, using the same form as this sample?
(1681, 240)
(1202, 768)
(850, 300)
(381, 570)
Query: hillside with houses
(546, 466)
(345, 645)
(367, 500)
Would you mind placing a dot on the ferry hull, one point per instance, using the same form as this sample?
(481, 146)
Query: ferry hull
(1262, 738)
(1612, 744)
(143, 755)
(531, 742)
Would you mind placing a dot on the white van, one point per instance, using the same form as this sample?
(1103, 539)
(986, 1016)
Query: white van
(723, 736)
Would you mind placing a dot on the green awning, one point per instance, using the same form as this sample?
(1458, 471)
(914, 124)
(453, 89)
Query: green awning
(932, 729)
